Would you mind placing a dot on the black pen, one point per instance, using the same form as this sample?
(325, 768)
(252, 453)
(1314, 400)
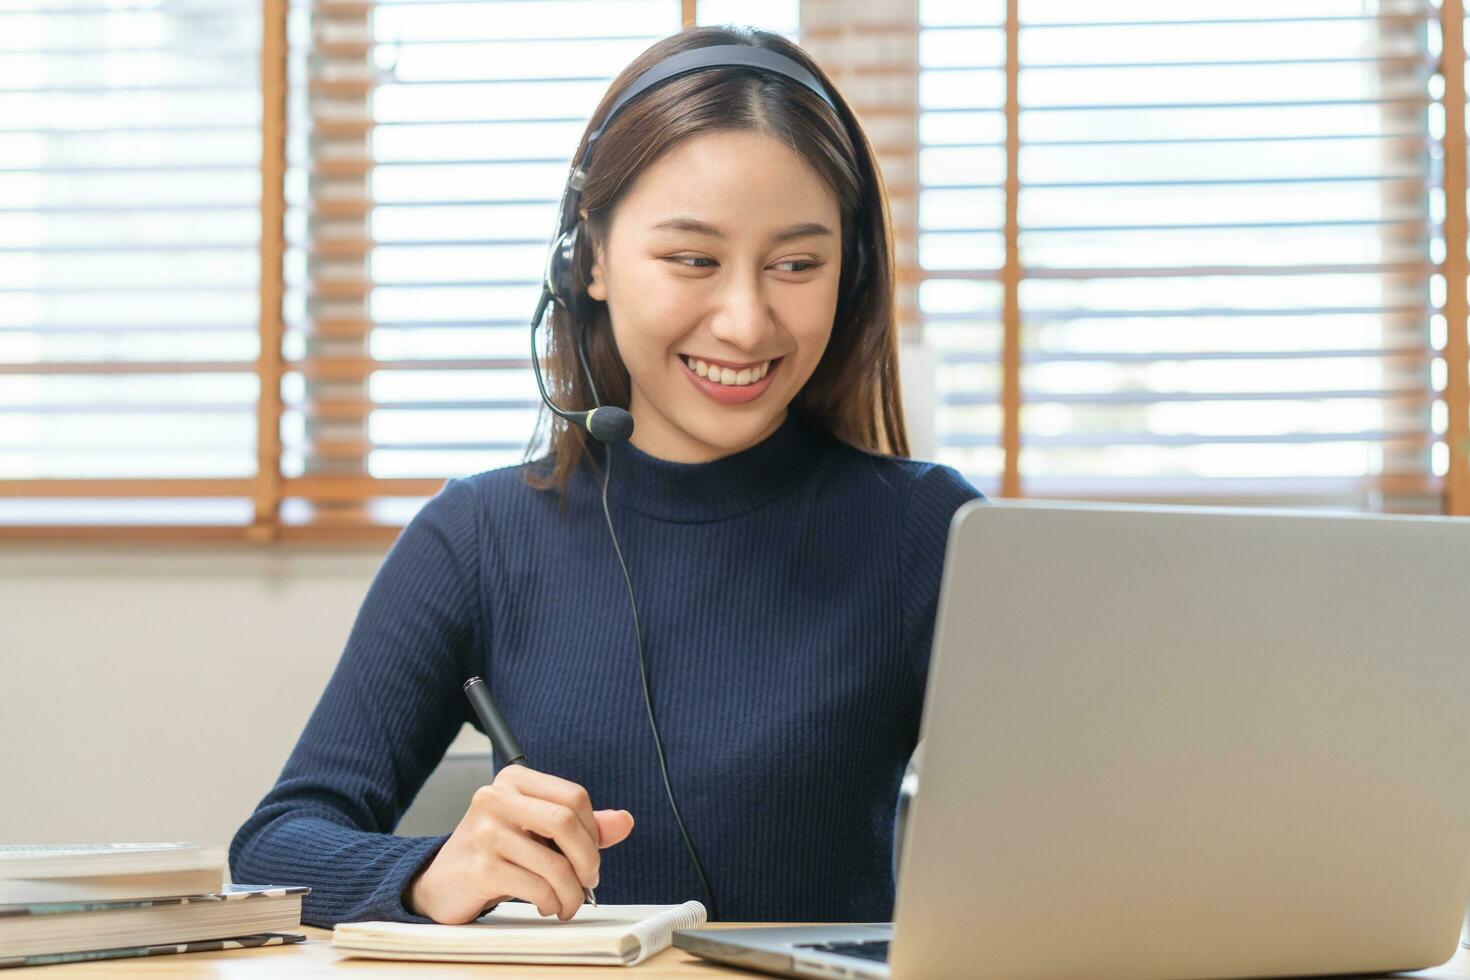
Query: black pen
(502, 740)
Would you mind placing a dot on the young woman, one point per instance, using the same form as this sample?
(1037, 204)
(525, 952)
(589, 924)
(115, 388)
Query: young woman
(735, 295)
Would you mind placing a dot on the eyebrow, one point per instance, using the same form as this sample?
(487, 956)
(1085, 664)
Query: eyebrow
(704, 228)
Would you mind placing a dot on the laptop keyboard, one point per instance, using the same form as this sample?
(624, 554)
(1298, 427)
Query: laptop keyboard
(868, 949)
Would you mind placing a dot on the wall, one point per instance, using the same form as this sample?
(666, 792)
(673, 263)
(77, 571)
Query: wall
(153, 694)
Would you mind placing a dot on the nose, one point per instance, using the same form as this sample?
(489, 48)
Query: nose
(743, 317)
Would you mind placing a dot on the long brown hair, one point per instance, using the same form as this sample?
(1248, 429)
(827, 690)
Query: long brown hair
(854, 391)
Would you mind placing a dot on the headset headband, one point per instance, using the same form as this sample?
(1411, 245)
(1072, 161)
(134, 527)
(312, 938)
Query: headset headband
(711, 56)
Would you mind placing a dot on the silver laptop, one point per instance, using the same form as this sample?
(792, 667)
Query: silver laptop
(1178, 742)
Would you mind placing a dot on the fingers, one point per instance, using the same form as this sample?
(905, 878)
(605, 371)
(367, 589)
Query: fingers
(531, 782)
(551, 867)
(541, 828)
(526, 834)
(557, 823)
(528, 886)
(613, 826)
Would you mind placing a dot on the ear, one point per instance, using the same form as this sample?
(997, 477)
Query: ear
(597, 281)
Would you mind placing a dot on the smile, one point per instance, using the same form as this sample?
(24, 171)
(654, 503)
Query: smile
(728, 385)
(724, 375)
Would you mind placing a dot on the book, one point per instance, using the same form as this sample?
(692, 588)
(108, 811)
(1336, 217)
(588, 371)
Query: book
(76, 927)
(124, 952)
(82, 872)
(514, 932)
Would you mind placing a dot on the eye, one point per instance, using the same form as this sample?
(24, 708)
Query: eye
(807, 264)
(684, 260)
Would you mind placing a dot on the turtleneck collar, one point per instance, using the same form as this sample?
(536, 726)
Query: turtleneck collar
(722, 488)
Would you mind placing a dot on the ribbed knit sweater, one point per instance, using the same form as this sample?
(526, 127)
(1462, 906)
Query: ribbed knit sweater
(786, 595)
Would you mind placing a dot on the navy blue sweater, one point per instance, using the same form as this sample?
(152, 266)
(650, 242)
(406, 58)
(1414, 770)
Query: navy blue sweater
(787, 597)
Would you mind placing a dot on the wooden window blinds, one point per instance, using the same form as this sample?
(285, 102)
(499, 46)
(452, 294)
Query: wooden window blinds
(265, 269)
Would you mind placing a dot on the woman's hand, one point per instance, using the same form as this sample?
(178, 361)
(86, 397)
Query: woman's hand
(501, 849)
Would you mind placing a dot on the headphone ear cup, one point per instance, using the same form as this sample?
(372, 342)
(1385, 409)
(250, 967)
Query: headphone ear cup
(559, 269)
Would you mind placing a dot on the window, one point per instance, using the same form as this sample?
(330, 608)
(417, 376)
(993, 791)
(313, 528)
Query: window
(1211, 252)
(1228, 229)
(129, 267)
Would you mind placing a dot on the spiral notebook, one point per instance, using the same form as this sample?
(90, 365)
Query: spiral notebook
(515, 932)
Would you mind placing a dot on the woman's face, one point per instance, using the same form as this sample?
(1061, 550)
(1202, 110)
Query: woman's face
(726, 251)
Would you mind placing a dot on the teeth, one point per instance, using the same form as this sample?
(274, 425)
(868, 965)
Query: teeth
(727, 376)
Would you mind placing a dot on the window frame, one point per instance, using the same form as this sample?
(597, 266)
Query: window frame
(267, 488)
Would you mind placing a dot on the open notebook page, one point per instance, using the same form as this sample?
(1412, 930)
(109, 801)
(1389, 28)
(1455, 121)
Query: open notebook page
(516, 933)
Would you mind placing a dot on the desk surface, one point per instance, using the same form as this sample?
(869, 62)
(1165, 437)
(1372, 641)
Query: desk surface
(314, 958)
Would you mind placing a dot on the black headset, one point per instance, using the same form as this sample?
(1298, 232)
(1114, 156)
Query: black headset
(609, 424)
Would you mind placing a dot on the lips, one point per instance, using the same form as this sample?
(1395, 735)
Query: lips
(733, 394)
(726, 374)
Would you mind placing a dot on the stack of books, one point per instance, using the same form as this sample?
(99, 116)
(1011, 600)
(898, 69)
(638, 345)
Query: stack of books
(61, 903)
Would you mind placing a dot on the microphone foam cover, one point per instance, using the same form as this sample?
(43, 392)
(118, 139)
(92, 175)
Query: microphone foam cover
(610, 424)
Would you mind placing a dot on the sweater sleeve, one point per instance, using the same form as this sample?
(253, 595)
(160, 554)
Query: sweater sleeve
(390, 710)
(934, 494)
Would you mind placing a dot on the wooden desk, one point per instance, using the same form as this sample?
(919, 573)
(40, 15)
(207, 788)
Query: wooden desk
(314, 958)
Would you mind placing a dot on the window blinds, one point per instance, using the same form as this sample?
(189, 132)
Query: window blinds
(1226, 239)
(129, 225)
(1209, 253)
